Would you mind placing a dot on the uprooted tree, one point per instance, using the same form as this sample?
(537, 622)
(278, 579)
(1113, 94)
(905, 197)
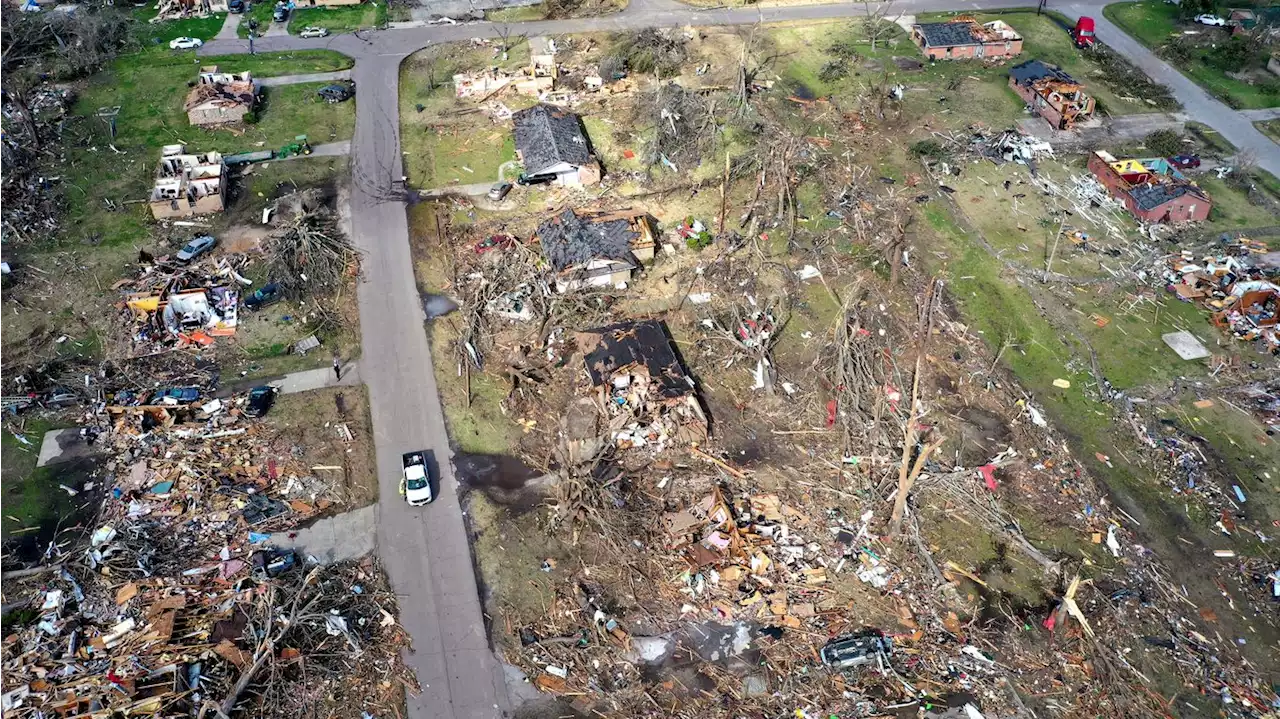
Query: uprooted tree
(308, 253)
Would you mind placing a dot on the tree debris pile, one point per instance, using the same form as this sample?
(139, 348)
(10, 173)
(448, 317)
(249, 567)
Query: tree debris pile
(307, 253)
(32, 131)
(181, 602)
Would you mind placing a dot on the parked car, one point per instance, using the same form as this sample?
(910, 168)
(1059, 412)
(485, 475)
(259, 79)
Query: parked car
(260, 400)
(175, 395)
(185, 43)
(852, 650)
(1211, 20)
(236, 6)
(1185, 162)
(314, 32)
(337, 92)
(196, 247)
(281, 13)
(535, 179)
(415, 485)
(499, 191)
(267, 294)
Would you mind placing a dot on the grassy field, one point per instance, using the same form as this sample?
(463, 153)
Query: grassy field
(1155, 23)
(438, 143)
(150, 90)
(530, 13)
(340, 18)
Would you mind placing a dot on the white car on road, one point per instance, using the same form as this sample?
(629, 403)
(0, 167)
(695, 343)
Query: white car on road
(1211, 20)
(185, 43)
(415, 485)
(313, 32)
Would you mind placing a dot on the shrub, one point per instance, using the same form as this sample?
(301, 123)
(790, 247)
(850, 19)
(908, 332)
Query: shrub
(928, 148)
(1164, 143)
(1233, 55)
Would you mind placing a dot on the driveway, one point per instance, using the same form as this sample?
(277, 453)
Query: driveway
(425, 550)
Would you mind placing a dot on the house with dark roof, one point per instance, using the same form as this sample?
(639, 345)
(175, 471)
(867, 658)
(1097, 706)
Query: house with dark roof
(221, 98)
(964, 38)
(645, 394)
(550, 141)
(1152, 189)
(596, 250)
(1051, 94)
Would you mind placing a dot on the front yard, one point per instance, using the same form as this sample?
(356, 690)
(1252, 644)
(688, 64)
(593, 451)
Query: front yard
(1208, 55)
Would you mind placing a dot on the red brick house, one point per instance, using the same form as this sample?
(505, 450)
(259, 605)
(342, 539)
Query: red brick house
(964, 38)
(1051, 94)
(1152, 189)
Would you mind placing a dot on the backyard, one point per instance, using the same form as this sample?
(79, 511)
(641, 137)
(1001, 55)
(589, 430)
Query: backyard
(340, 18)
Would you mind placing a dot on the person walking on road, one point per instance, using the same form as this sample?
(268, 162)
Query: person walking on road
(337, 368)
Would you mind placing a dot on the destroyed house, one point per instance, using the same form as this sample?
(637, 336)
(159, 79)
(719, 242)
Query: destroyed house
(964, 38)
(647, 397)
(187, 184)
(1051, 94)
(221, 98)
(1152, 189)
(550, 141)
(601, 250)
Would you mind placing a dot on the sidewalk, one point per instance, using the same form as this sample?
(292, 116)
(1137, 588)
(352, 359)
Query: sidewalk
(318, 378)
(280, 80)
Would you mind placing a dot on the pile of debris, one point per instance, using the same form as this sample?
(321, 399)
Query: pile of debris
(180, 599)
(32, 134)
(1235, 280)
(172, 304)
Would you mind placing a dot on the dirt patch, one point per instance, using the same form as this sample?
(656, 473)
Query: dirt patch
(314, 421)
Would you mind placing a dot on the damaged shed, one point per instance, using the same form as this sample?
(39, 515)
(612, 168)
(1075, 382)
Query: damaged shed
(644, 393)
(550, 141)
(601, 250)
(1051, 94)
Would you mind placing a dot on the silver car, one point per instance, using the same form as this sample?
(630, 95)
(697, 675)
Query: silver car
(308, 32)
(196, 247)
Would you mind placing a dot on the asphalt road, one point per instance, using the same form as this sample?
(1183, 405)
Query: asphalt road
(426, 550)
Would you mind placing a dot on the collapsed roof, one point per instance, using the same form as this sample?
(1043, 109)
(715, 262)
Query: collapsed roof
(1032, 71)
(547, 136)
(964, 32)
(615, 348)
(570, 240)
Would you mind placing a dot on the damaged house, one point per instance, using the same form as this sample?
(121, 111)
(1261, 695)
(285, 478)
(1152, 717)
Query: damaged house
(600, 250)
(550, 141)
(1051, 94)
(965, 38)
(1152, 189)
(221, 99)
(187, 184)
(645, 395)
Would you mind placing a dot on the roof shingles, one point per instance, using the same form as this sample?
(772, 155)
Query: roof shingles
(547, 135)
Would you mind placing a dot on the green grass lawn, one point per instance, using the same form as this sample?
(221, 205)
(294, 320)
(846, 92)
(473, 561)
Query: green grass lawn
(437, 149)
(1270, 128)
(1154, 23)
(150, 89)
(31, 495)
(158, 34)
(340, 18)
